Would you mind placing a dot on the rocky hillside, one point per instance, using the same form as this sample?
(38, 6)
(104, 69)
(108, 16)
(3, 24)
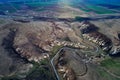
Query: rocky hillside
(91, 32)
(35, 40)
(24, 44)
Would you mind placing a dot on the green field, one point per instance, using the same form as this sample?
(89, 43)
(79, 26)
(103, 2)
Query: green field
(106, 76)
(99, 10)
(113, 65)
(12, 7)
(40, 4)
(93, 8)
(17, 6)
(8, 8)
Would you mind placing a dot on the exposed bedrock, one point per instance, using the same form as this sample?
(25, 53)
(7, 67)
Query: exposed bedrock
(91, 32)
(35, 40)
(119, 35)
(115, 51)
(87, 27)
(111, 45)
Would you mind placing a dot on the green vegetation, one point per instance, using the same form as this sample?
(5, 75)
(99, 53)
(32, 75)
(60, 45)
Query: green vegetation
(40, 4)
(10, 77)
(99, 9)
(54, 50)
(17, 6)
(113, 65)
(78, 18)
(40, 9)
(105, 75)
(96, 9)
(100, 51)
(36, 65)
(41, 71)
(44, 62)
(81, 8)
(8, 8)
(2, 21)
(86, 10)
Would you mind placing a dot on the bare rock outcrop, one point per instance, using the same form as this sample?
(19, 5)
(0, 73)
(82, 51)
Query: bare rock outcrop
(91, 32)
(115, 51)
(35, 40)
